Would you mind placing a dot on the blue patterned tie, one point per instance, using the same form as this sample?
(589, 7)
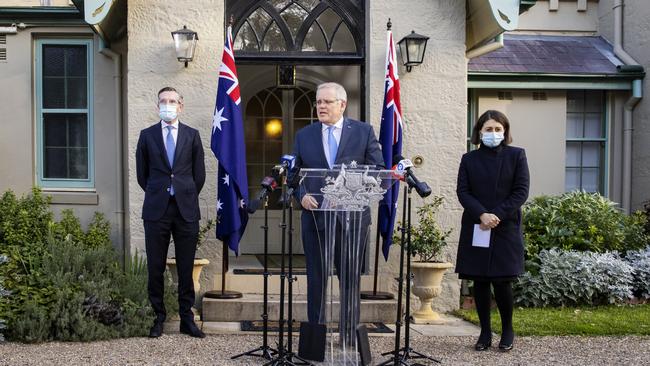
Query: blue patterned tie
(333, 146)
(171, 148)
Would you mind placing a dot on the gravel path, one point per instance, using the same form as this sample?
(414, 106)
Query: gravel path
(176, 349)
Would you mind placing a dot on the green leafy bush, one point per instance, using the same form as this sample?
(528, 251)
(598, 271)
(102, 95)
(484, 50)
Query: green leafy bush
(428, 239)
(66, 284)
(3, 292)
(580, 221)
(575, 278)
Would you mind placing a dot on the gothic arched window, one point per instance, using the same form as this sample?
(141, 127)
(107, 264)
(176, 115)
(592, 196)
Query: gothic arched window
(298, 28)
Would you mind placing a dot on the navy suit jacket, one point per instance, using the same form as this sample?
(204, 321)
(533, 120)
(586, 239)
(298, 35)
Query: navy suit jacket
(358, 143)
(155, 174)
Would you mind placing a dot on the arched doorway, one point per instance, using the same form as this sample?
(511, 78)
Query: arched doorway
(320, 41)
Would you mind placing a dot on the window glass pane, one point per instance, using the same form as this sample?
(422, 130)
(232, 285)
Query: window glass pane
(273, 105)
(245, 39)
(76, 93)
(274, 149)
(575, 101)
(55, 162)
(77, 131)
(329, 20)
(591, 154)
(593, 101)
(590, 179)
(303, 107)
(573, 154)
(279, 4)
(343, 40)
(294, 17)
(64, 76)
(274, 40)
(65, 153)
(55, 130)
(259, 20)
(75, 60)
(53, 92)
(53, 60)
(314, 41)
(255, 151)
(308, 4)
(572, 179)
(78, 158)
(593, 125)
(574, 125)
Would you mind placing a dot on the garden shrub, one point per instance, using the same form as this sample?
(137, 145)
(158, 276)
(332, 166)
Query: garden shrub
(640, 261)
(3, 292)
(580, 221)
(67, 284)
(562, 278)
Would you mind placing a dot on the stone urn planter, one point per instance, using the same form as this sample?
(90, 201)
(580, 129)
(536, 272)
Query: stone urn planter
(196, 271)
(427, 285)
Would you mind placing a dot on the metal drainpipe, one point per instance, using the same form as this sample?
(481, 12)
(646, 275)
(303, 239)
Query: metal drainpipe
(492, 46)
(630, 104)
(119, 143)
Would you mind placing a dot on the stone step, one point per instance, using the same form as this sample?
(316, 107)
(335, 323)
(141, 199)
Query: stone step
(250, 307)
(254, 283)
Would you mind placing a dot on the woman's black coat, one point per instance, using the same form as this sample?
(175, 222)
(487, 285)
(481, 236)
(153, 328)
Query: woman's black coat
(492, 180)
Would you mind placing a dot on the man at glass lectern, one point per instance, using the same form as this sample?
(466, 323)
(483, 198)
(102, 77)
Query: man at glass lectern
(335, 139)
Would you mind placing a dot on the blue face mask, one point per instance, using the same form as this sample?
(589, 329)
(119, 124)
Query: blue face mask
(492, 139)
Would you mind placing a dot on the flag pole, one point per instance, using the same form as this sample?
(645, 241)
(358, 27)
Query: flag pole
(374, 294)
(224, 294)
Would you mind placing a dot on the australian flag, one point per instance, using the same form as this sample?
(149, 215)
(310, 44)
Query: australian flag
(390, 138)
(229, 148)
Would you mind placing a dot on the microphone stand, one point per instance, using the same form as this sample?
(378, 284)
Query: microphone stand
(286, 356)
(265, 351)
(400, 356)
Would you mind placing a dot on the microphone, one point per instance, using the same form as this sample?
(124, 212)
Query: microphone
(292, 183)
(287, 162)
(404, 166)
(268, 185)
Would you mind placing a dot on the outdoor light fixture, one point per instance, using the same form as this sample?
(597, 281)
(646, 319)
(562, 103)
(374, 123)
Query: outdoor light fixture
(412, 48)
(185, 43)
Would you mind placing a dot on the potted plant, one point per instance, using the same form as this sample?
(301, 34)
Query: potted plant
(199, 263)
(428, 241)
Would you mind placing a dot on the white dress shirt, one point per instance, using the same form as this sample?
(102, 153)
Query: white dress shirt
(165, 131)
(338, 128)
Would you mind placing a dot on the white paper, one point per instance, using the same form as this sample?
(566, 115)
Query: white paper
(481, 237)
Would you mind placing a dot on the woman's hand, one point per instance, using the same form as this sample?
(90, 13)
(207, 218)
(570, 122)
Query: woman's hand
(308, 202)
(489, 221)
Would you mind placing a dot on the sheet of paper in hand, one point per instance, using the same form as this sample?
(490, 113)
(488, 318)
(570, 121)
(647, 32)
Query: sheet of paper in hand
(481, 237)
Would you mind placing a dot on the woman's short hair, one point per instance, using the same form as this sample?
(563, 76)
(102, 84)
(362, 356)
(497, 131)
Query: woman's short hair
(497, 117)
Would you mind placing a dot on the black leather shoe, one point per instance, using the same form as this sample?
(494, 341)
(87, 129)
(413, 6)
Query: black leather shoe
(505, 347)
(156, 330)
(192, 330)
(507, 338)
(482, 346)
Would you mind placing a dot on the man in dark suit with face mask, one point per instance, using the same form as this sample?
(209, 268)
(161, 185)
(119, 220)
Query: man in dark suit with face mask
(171, 170)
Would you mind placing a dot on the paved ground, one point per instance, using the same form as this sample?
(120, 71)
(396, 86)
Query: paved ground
(452, 346)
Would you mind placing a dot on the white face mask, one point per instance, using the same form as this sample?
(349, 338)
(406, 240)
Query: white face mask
(492, 139)
(167, 112)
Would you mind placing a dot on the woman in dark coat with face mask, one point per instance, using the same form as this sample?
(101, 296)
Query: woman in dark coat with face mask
(492, 186)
